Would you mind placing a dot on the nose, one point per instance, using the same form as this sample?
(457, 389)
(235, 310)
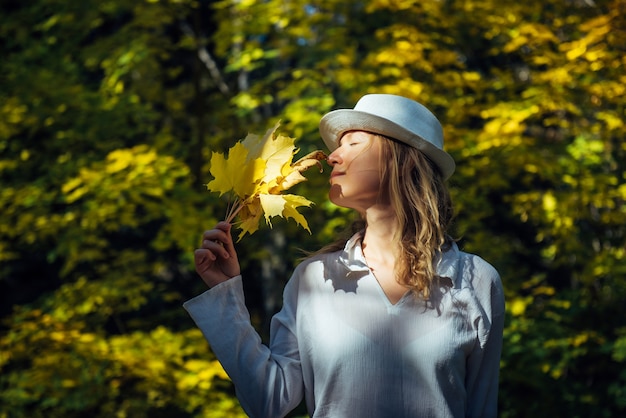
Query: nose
(334, 158)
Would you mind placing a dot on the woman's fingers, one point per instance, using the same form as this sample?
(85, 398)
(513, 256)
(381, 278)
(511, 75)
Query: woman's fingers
(220, 240)
(202, 256)
(215, 247)
(216, 260)
(228, 239)
(229, 246)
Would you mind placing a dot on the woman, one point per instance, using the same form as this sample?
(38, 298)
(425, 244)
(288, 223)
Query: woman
(394, 322)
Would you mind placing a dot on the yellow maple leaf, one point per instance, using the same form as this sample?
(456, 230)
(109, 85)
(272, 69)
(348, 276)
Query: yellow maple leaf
(250, 216)
(256, 171)
(274, 151)
(285, 206)
(235, 173)
(292, 173)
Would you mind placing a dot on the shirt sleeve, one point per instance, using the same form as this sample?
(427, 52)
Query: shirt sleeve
(268, 381)
(483, 364)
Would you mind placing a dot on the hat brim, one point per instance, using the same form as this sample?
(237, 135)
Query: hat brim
(336, 123)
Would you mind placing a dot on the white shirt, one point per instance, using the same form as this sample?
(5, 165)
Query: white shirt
(340, 342)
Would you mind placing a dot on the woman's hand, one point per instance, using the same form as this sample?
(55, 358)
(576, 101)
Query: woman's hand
(216, 261)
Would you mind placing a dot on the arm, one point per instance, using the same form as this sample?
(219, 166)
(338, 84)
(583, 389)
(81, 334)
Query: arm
(268, 382)
(483, 364)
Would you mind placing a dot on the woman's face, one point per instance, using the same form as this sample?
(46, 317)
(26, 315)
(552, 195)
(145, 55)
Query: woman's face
(355, 179)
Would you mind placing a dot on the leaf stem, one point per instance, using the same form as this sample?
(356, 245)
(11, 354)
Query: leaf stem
(234, 210)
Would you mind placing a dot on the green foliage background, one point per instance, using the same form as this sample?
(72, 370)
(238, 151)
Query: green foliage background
(109, 111)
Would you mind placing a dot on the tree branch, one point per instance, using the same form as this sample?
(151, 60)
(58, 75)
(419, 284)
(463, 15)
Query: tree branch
(208, 61)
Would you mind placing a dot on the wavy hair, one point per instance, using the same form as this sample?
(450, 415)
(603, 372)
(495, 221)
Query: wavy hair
(423, 209)
(424, 212)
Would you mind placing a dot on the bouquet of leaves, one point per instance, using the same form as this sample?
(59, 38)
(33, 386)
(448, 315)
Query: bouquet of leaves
(256, 171)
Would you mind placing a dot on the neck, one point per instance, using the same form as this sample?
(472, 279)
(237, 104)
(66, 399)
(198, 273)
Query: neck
(380, 232)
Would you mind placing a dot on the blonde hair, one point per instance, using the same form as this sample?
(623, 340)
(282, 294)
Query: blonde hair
(424, 211)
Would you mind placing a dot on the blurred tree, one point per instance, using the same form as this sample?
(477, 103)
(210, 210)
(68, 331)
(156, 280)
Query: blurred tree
(108, 113)
(101, 209)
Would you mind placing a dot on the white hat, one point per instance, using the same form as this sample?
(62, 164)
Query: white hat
(395, 117)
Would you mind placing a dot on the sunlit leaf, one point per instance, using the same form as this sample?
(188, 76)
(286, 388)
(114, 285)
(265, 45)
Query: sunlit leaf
(257, 170)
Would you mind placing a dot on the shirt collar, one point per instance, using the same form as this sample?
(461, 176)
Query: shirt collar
(353, 259)
(352, 255)
(447, 264)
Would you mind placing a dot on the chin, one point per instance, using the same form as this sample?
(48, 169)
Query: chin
(335, 193)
